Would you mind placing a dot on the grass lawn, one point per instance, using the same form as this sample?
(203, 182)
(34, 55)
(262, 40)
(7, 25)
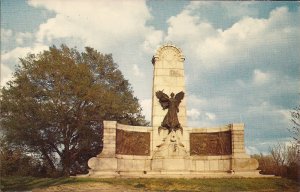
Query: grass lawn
(218, 184)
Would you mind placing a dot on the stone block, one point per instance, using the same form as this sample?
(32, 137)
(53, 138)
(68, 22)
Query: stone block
(167, 90)
(161, 72)
(147, 164)
(110, 124)
(109, 131)
(192, 165)
(237, 126)
(127, 165)
(226, 165)
(246, 164)
(157, 164)
(110, 137)
(109, 141)
(213, 165)
(107, 153)
(238, 150)
(121, 164)
(105, 164)
(139, 165)
(200, 165)
(221, 165)
(238, 143)
(157, 109)
(173, 164)
(206, 165)
(109, 145)
(164, 81)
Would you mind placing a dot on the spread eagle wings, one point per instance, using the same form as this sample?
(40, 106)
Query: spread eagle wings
(163, 99)
(179, 96)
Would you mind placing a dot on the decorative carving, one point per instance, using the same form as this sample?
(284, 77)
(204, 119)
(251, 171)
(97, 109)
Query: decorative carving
(175, 73)
(166, 48)
(132, 143)
(218, 143)
(171, 147)
(170, 121)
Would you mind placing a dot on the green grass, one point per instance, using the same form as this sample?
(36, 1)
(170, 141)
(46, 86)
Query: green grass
(220, 184)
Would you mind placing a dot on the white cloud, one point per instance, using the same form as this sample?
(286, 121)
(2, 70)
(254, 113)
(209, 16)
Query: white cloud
(247, 71)
(109, 23)
(260, 77)
(210, 116)
(193, 114)
(198, 118)
(196, 101)
(6, 74)
(11, 58)
(19, 52)
(245, 40)
(152, 41)
(21, 37)
(5, 34)
(117, 27)
(136, 71)
(252, 150)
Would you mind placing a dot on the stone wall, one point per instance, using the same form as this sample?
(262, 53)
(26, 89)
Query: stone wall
(115, 157)
(110, 163)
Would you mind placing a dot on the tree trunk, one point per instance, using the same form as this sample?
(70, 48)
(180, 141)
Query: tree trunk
(48, 159)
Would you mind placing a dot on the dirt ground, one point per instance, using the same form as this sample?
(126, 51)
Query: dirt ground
(88, 187)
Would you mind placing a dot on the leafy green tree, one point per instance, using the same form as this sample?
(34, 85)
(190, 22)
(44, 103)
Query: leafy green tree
(57, 101)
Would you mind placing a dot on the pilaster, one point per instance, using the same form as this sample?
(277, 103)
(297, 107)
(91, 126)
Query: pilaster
(109, 139)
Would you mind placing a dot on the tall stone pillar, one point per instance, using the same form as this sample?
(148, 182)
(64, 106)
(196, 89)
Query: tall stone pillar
(168, 76)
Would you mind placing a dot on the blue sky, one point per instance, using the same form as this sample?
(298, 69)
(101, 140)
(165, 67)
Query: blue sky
(242, 58)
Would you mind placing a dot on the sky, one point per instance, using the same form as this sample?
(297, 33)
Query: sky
(242, 58)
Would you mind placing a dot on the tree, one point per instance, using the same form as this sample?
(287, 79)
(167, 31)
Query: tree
(279, 154)
(13, 162)
(286, 160)
(57, 101)
(295, 130)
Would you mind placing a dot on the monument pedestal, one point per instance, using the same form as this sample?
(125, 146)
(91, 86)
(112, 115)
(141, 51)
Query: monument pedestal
(170, 158)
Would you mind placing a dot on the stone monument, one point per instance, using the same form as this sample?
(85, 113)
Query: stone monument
(169, 148)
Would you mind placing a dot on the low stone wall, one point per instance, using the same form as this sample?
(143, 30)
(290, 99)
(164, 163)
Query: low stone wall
(128, 150)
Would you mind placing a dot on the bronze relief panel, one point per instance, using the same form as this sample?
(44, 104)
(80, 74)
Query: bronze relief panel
(132, 142)
(218, 143)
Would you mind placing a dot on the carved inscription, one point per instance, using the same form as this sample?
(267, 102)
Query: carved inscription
(132, 143)
(218, 143)
(175, 73)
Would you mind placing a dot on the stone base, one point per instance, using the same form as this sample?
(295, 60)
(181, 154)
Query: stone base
(103, 164)
(172, 156)
(244, 164)
(168, 164)
(192, 167)
(176, 174)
